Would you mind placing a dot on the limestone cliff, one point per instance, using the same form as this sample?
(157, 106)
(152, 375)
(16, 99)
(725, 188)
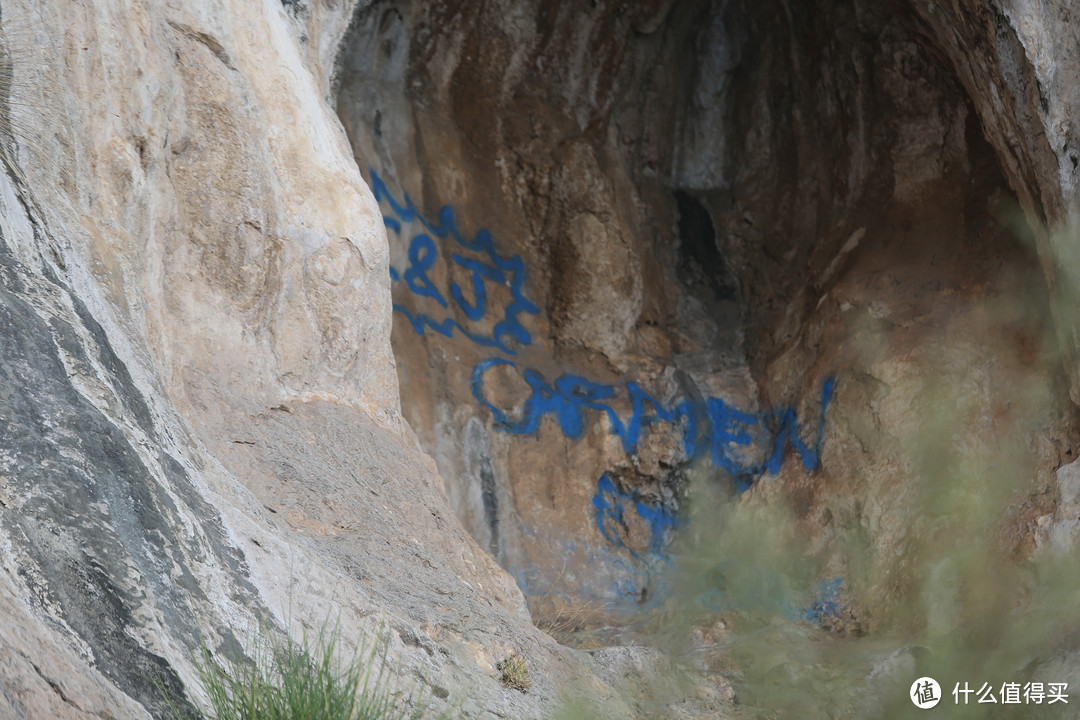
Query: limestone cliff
(635, 239)
(427, 316)
(200, 411)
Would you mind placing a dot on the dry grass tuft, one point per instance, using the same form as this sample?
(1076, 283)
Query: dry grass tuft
(514, 673)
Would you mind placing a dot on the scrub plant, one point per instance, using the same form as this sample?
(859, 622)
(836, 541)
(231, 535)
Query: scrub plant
(570, 625)
(514, 673)
(288, 679)
(979, 590)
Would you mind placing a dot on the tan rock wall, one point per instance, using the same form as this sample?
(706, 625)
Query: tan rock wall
(720, 206)
(205, 430)
(684, 219)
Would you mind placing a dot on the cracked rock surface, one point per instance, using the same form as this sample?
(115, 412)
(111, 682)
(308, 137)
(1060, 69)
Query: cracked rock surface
(422, 316)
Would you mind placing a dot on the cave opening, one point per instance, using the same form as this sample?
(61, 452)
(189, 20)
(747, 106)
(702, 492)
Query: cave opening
(717, 262)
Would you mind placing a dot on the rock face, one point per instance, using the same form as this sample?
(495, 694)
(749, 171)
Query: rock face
(200, 410)
(761, 253)
(562, 353)
(703, 310)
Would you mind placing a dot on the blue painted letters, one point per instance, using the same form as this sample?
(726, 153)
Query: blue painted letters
(729, 434)
(611, 503)
(488, 267)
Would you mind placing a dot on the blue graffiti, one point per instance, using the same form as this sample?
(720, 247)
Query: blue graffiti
(827, 606)
(490, 267)
(611, 504)
(422, 257)
(778, 427)
(729, 431)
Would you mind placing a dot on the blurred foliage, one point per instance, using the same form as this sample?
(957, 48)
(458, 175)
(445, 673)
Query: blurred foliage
(750, 602)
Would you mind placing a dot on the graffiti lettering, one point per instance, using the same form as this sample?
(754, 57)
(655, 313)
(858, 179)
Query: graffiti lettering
(728, 431)
(484, 266)
(746, 445)
(827, 607)
(611, 505)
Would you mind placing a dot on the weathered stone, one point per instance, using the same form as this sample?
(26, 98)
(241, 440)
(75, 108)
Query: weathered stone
(769, 246)
(679, 287)
(195, 293)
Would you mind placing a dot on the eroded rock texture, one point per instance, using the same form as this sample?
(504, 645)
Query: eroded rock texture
(201, 432)
(769, 253)
(706, 311)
